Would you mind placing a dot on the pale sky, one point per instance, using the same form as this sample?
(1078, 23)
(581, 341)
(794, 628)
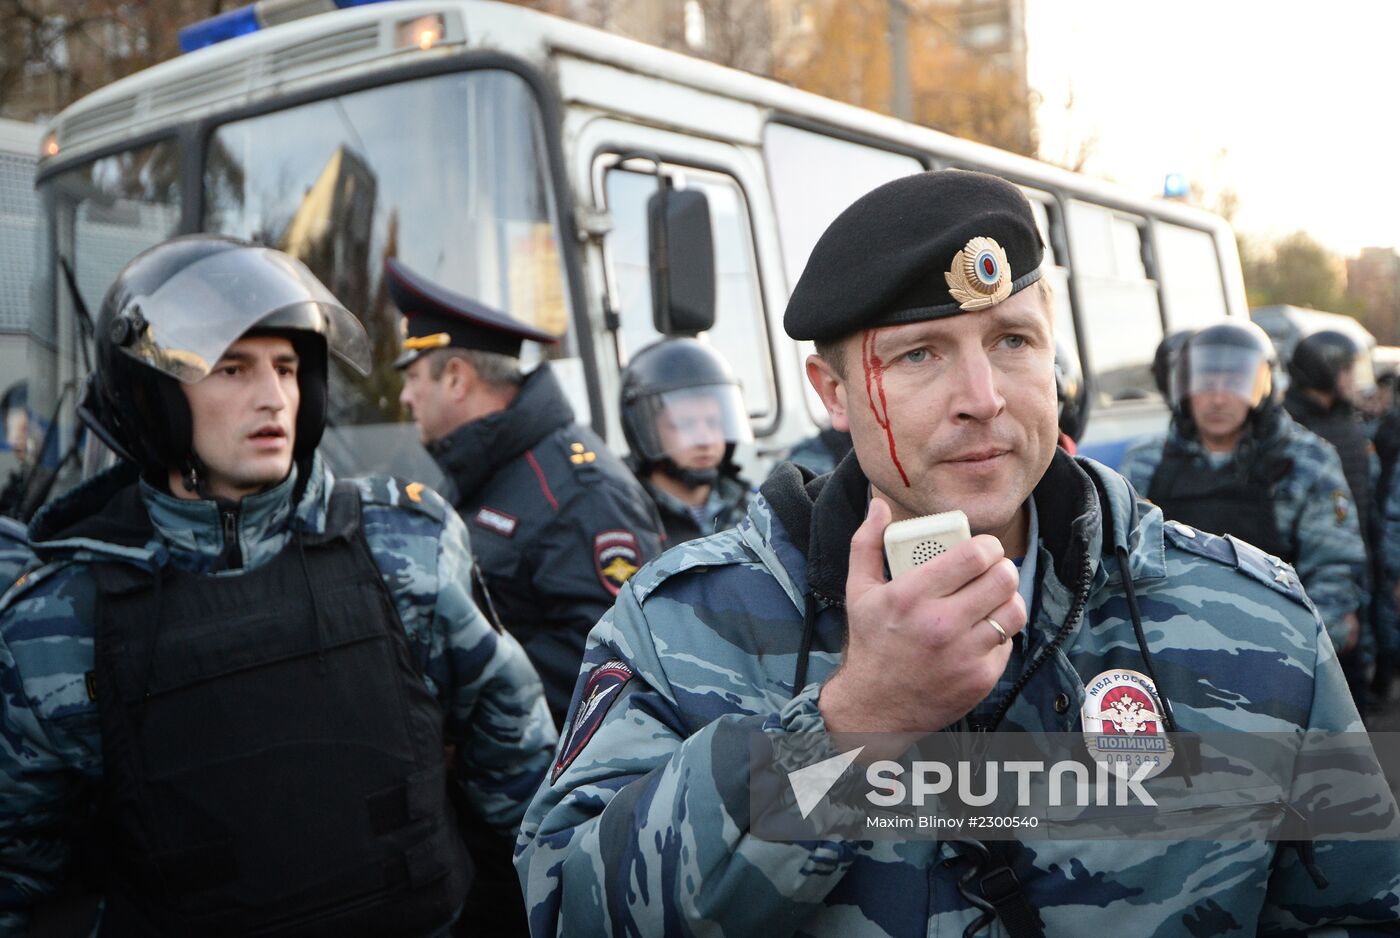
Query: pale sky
(1295, 105)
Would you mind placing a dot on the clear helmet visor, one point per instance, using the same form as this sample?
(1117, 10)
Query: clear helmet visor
(1228, 369)
(681, 422)
(184, 327)
(1358, 382)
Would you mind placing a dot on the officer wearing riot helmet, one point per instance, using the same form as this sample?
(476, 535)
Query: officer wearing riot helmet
(934, 338)
(682, 414)
(1234, 462)
(247, 670)
(558, 522)
(1329, 374)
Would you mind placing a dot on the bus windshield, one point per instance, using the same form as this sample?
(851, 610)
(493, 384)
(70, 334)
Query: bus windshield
(447, 173)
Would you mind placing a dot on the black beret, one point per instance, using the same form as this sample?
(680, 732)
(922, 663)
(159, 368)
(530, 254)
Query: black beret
(922, 247)
(435, 317)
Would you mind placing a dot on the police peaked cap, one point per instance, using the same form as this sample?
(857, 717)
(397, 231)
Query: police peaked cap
(926, 246)
(436, 317)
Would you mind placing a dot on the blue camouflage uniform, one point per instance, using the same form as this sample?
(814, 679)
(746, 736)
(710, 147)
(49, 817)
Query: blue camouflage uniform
(51, 764)
(558, 523)
(1312, 511)
(644, 828)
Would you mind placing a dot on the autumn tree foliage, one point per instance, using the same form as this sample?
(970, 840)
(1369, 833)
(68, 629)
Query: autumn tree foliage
(53, 52)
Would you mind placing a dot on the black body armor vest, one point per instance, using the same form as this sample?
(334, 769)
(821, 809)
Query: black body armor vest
(1226, 500)
(274, 763)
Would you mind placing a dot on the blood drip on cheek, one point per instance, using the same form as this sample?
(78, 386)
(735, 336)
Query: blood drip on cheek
(875, 384)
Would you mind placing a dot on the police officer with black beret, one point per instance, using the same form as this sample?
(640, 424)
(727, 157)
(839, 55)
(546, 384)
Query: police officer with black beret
(558, 523)
(935, 350)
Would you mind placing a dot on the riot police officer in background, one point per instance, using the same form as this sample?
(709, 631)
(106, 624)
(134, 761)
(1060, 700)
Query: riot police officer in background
(1234, 462)
(247, 671)
(1329, 374)
(683, 414)
(558, 523)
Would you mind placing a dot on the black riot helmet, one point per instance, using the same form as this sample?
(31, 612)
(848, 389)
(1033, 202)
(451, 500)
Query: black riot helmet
(1164, 361)
(676, 394)
(1236, 357)
(169, 317)
(1319, 361)
(1072, 392)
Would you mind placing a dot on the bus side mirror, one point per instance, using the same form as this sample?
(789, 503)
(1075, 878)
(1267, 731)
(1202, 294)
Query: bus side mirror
(681, 253)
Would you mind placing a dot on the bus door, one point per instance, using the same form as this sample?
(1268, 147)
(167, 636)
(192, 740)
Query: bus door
(622, 164)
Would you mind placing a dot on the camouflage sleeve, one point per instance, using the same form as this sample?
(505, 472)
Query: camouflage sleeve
(1140, 462)
(42, 761)
(1331, 560)
(497, 720)
(643, 829)
(1362, 895)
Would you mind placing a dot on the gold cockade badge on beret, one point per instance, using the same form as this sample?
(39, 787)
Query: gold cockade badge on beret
(980, 275)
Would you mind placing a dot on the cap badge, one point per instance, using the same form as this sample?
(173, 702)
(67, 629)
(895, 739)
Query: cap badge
(980, 275)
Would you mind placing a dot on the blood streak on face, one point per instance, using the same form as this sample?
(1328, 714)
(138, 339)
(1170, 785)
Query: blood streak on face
(875, 375)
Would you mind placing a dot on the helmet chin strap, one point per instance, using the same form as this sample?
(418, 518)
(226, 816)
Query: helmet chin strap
(690, 478)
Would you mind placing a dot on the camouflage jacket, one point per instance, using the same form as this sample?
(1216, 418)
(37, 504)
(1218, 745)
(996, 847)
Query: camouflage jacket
(50, 747)
(644, 829)
(1311, 510)
(15, 555)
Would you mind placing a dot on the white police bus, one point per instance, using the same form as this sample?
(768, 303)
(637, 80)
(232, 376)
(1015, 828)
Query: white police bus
(512, 156)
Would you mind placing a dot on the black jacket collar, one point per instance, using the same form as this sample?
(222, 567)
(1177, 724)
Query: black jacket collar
(821, 514)
(474, 452)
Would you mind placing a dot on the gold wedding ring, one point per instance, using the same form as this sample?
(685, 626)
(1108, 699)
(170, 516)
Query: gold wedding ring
(1000, 631)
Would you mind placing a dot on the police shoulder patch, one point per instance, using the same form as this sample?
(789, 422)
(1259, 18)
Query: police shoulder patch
(616, 557)
(1341, 505)
(603, 687)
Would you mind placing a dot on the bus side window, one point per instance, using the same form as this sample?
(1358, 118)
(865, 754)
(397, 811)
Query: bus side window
(1190, 271)
(813, 178)
(1056, 272)
(1119, 312)
(740, 333)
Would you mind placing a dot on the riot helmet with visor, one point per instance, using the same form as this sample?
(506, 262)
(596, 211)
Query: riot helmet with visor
(683, 411)
(1333, 363)
(171, 315)
(1235, 358)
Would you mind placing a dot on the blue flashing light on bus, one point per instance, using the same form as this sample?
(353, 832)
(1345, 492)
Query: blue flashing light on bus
(1175, 186)
(230, 25)
(255, 16)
